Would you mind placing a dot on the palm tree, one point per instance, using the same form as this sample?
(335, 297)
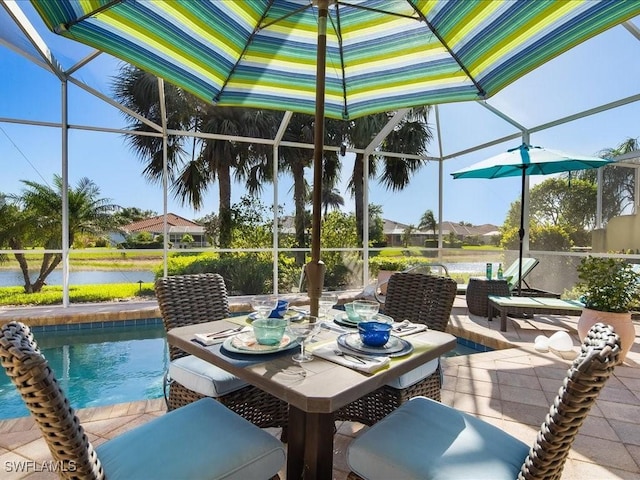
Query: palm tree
(15, 227)
(618, 185)
(192, 172)
(252, 163)
(296, 160)
(428, 222)
(331, 198)
(411, 136)
(36, 218)
(128, 215)
(406, 235)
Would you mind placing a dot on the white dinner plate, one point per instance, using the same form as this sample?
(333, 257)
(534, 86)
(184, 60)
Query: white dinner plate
(246, 343)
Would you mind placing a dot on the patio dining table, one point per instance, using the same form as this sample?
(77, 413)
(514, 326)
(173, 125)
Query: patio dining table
(314, 390)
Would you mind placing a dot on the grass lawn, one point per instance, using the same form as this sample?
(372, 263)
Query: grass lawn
(52, 295)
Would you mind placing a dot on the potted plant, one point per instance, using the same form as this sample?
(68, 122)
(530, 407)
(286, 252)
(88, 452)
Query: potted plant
(609, 288)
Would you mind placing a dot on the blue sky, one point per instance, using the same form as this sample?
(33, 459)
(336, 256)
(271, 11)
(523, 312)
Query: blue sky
(591, 74)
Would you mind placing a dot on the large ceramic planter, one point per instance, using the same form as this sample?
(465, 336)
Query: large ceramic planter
(621, 323)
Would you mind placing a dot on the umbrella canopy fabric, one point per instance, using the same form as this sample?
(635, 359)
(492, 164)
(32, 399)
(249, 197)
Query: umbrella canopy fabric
(334, 58)
(381, 55)
(528, 160)
(532, 161)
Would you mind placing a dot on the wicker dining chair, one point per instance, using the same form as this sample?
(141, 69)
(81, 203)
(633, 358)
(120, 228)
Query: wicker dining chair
(198, 298)
(426, 439)
(201, 440)
(419, 298)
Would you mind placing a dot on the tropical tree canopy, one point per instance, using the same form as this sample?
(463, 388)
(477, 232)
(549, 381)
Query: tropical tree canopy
(34, 219)
(428, 222)
(411, 136)
(561, 215)
(128, 215)
(194, 163)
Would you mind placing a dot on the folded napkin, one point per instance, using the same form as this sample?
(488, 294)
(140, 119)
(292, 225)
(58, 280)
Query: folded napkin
(367, 364)
(300, 310)
(221, 336)
(400, 329)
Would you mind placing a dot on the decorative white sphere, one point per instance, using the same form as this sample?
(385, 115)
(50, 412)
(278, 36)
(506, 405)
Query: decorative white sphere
(561, 341)
(541, 343)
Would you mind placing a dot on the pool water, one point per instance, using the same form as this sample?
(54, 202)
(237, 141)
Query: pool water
(114, 364)
(97, 367)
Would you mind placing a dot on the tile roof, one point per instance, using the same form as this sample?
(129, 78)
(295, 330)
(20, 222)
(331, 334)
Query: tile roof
(396, 228)
(156, 224)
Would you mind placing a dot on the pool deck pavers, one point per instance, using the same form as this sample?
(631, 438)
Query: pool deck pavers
(510, 387)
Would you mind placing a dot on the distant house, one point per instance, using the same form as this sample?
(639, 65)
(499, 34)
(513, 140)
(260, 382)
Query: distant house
(484, 233)
(178, 227)
(394, 232)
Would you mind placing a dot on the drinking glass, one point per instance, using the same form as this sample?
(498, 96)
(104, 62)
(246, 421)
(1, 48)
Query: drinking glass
(325, 303)
(367, 309)
(303, 331)
(263, 305)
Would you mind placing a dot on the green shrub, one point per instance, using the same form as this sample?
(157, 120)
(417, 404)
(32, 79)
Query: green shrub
(607, 284)
(243, 273)
(394, 264)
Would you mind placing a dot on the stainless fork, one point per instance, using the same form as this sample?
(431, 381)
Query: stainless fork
(340, 353)
(225, 333)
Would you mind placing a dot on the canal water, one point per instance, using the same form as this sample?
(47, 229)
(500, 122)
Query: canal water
(10, 278)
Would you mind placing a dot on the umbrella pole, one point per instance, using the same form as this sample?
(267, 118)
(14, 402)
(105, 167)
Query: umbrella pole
(521, 232)
(315, 269)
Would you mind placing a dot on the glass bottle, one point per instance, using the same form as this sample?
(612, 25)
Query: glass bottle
(500, 274)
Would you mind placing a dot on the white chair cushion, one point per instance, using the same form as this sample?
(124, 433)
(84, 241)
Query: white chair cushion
(426, 439)
(202, 440)
(414, 376)
(203, 377)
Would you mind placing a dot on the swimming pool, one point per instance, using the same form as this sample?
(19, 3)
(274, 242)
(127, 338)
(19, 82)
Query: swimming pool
(98, 366)
(106, 363)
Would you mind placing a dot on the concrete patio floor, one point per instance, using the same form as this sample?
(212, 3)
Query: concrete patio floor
(511, 388)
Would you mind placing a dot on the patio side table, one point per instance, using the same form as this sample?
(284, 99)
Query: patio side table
(478, 293)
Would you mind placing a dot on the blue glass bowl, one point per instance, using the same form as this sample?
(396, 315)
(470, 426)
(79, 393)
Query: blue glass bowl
(280, 310)
(374, 334)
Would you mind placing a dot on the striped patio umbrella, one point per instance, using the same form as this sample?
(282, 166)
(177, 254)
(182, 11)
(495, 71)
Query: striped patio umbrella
(335, 58)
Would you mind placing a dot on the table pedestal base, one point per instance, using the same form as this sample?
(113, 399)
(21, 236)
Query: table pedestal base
(308, 456)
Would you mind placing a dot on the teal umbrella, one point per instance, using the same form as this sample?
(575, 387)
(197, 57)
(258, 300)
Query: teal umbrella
(528, 160)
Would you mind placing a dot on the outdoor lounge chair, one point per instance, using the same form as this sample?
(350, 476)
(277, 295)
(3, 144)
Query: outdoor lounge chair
(511, 274)
(425, 439)
(202, 440)
(419, 298)
(192, 299)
